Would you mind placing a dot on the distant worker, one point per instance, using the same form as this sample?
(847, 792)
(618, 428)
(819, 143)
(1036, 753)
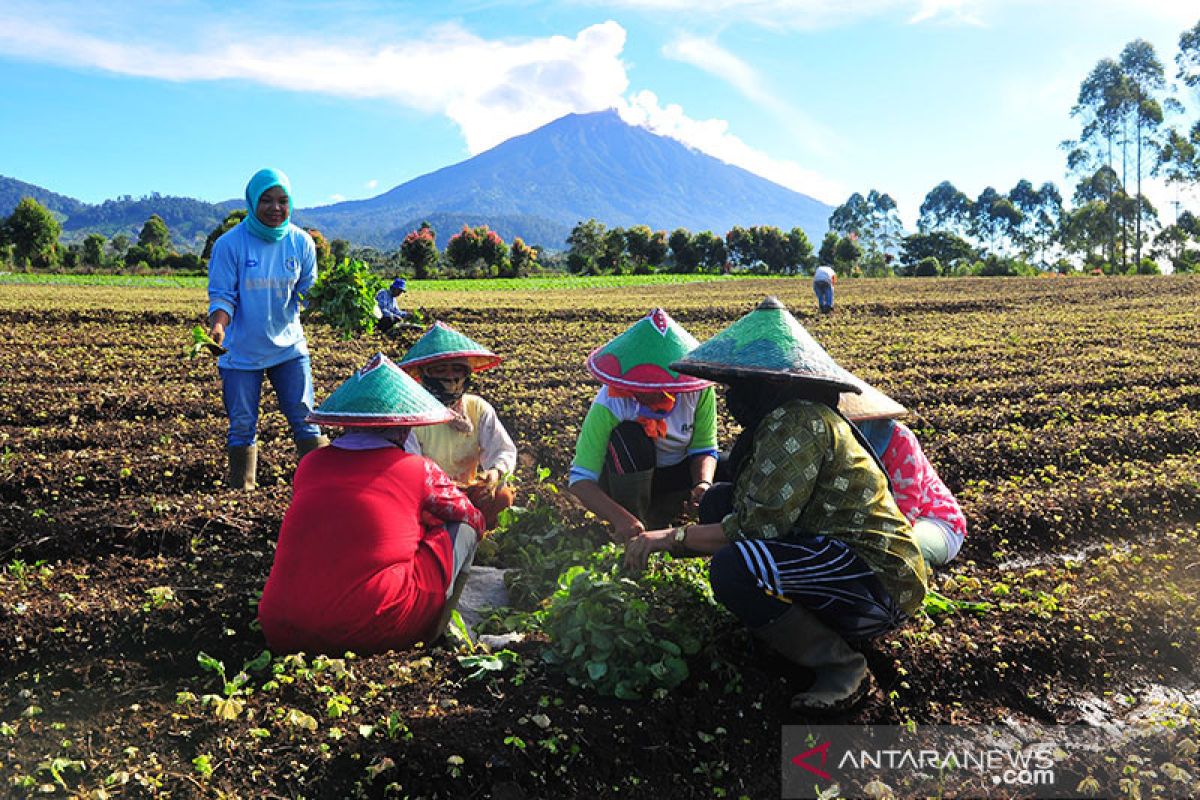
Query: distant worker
(937, 520)
(473, 447)
(647, 448)
(258, 274)
(390, 313)
(377, 543)
(823, 280)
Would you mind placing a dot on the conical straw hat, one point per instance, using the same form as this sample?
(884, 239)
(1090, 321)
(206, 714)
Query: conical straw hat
(380, 395)
(442, 343)
(869, 404)
(767, 343)
(639, 360)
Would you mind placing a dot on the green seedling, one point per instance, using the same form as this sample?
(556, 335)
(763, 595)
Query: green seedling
(228, 705)
(937, 603)
(488, 663)
(23, 572)
(458, 630)
(203, 344)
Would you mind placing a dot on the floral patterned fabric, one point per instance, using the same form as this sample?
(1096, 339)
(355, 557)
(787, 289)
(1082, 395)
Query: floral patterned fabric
(918, 489)
(808, 473)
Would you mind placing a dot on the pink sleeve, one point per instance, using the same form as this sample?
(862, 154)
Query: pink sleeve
(444, 502)
(918, 490)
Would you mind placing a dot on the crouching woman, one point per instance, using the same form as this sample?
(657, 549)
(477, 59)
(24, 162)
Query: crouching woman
(376, 544)
(809, 549)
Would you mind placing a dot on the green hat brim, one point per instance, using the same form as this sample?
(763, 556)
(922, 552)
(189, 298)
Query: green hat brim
(768, 343)
(378, 395)
(443, 343)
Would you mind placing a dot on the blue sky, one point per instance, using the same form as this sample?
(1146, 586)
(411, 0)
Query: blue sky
(104, 99)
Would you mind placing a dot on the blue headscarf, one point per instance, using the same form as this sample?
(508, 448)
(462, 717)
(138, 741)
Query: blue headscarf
(264, 179)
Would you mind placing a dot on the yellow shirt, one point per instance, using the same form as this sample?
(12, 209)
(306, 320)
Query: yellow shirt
(458, 453)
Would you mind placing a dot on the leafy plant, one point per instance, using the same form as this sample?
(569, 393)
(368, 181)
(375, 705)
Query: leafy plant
(937, 603)
(344, 297)
(624, 638)
(228, 705)
(203, 344)
(484, 664)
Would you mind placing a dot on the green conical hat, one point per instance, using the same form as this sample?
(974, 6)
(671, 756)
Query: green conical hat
(442, 343)
(766, 343)
(639, 360)
(870, 404)
(379, 395)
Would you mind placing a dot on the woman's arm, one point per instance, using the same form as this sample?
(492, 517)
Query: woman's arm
(444, 502)
(496, 448)
(218, 321)
(703, 467)
(222, 288)
(698, 540)
(624, 524)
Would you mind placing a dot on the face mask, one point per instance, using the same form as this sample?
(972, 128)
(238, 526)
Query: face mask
(447, 391)
(739, 400)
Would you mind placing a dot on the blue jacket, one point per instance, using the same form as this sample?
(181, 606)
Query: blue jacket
(259, 284)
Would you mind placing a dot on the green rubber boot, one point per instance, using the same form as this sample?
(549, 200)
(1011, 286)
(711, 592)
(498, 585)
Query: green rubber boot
(243, 466)
(841, 675)
(306, 446)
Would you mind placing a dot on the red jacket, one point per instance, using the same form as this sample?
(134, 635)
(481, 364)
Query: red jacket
(364, 560)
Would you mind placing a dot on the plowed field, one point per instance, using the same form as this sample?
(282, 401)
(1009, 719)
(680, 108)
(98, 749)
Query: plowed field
(1063, 413)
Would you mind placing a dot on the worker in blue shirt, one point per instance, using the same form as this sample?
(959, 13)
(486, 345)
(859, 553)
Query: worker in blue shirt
(390, 313)
(257, 277)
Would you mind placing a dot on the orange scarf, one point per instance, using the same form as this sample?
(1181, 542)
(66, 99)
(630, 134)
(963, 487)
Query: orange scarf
(655, 427)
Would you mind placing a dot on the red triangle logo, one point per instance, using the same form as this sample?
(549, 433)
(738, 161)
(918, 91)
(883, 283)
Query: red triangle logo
(802, 762)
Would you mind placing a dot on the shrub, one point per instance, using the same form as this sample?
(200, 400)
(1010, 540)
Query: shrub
(344, 297)
(927, 268)
(626, 638)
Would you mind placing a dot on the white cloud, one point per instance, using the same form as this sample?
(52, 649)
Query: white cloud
(960, 11)
(337, 198)
(371, 184)
(712, 136)
(492, 89)
(707, 55)
(809, 14)
(822, 14)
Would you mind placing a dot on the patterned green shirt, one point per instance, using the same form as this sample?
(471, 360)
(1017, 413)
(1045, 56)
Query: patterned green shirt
(808, 473)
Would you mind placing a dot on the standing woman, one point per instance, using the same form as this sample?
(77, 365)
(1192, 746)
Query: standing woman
(258, 273)
(810, 551)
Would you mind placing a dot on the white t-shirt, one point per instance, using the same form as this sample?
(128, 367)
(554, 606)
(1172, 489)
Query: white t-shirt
(824, 275)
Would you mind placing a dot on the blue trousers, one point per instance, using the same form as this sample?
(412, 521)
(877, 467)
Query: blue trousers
(824, 293)
(241, 390)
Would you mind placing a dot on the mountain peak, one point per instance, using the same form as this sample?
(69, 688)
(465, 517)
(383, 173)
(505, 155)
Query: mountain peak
(539, 185)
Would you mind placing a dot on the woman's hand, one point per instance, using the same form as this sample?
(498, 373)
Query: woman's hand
(491, 479)
(217, 323)
(622, 533)
(639, 548)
